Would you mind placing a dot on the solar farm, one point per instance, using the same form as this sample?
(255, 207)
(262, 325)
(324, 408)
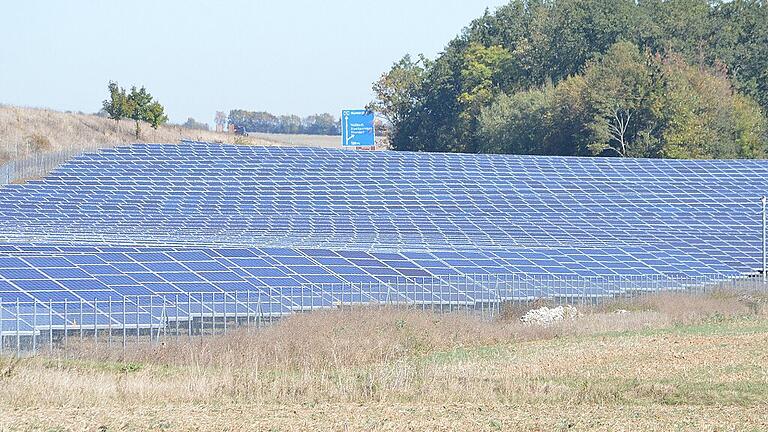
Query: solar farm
(193, 238)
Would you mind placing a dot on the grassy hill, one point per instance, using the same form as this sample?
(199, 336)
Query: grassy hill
(27, 131)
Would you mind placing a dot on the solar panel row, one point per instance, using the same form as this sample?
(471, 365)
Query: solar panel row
(298, 227)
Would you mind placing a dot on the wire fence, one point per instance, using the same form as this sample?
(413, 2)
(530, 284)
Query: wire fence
(28, 326)
(38, 165)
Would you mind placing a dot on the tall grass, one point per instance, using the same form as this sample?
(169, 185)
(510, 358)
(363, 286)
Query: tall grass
(390, 356)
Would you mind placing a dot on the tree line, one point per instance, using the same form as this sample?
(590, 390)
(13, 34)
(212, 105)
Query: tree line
(137, 105)
(316, 124)
(648, 78)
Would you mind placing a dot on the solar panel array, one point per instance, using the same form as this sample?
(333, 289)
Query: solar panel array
(304, 226)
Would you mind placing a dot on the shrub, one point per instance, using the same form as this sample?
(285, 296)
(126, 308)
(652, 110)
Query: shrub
(38, 143)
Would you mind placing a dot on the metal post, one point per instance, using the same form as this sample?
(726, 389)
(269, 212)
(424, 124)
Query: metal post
(765, 241)
(138, 303)
(95, 324)
(81, 320)
(124, 325)
(50, 325)
(109, 318)
(34, 322)
(151, 318)
(66, 323)
(224, 301)
(1, 327)
(189, 315)
(248, 309)
(18, 324)
(213, 313)
(258, 317)
(176, 316)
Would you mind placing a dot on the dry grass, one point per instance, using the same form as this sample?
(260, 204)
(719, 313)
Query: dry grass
(24, 131)
(674, 361)
(331, 141)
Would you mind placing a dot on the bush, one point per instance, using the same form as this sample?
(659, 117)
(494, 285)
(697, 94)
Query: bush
(38, 143)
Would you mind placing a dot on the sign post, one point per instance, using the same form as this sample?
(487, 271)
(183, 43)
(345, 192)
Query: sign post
(357, 128)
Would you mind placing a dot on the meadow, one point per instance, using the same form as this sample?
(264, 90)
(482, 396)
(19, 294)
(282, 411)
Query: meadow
(27, 131)
(661, 362)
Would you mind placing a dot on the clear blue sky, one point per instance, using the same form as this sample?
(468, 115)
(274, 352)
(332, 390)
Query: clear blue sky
(196, 57)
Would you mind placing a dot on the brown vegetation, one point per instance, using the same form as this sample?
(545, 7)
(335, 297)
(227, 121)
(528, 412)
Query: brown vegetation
(669, 361)
(26, 131)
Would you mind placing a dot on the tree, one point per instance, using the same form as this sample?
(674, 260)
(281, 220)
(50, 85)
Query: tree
(193, 124)
(220, 120)
(602, 57)
(321, 124)
(155, 115)
(290, 124)
(142, 107)
(264, 122)
(704, 118)
(137, 105)
(139, 102)
(116, 106)
(519, 124)
(620, 90)
(397, 92)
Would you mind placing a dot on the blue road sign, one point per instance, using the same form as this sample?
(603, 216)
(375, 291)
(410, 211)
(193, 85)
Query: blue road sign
(357, 128)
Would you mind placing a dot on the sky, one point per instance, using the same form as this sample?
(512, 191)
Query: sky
(196, 57)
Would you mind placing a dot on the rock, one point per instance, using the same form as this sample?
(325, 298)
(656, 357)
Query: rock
(546, 315)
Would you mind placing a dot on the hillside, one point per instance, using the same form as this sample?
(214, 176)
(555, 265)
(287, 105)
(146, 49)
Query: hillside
(26, 131)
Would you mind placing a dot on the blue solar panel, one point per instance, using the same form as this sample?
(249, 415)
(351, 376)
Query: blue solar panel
(168, 219)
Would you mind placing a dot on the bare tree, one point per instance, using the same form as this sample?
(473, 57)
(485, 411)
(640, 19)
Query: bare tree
(618, 125)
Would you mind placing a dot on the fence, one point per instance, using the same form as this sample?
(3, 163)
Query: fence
(38, 165)
(28, 326)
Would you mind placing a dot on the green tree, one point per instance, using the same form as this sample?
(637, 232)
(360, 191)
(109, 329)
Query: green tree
(397, 93)
(519, 124)
(603, 58)
(194, 124)
(620, 91)
(704, 118)
(116, 106)
(142, 107)
(156, 116)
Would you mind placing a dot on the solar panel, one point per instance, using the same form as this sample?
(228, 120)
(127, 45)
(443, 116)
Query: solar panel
(159, 220)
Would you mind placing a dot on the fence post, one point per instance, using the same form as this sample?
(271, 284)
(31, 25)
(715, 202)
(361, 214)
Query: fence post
(2, 341)
(109, 322)
(50, 325)
(248, 310)
(260, 313)
(202, 312)
(95, 324)
(18, 330)
(66, 322)
(189, 315)
(764, 201)
(224, 301)
(82, 325)
(34, 325)
(125, 324)
(138, 318)
(176, 315)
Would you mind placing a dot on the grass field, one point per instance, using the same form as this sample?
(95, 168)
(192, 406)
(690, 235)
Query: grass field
(329, 141)
(671, 362)
(24, 131)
